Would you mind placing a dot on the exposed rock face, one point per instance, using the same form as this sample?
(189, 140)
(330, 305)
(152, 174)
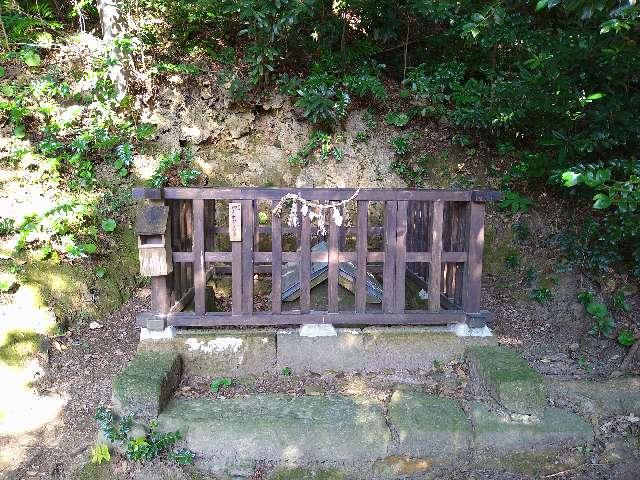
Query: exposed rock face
(237, 145)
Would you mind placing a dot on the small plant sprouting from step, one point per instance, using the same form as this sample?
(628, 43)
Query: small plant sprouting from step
(287, 372)
(100, 453)
(154, 443)
(541, 295)
(113, 430)
(140, 448)
(603, 321)
(220, 383)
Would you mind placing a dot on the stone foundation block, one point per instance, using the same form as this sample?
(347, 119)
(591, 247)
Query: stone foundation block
(508, 378)
(616, 396)
(555, 429)
(221, 352)
(279, 428)
(428, 426)
(373, 349)
(145, 385)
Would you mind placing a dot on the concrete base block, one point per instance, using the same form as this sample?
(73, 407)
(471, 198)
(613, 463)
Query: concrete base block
(220, 352)
(374, 348)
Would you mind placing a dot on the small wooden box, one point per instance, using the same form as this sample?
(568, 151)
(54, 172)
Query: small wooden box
(154, 241)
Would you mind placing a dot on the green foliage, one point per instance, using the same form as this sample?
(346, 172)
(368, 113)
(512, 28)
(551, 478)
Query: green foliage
(100, 453)
(397, 119)
(173, 165)
(150, 446)
(7, 226)
(7, 281)
(287, 372)
(515, 202)
(626, 338)
(541, 295)
(401, 144)
(619, 302)
(108, 225)
(320, 143)
(512, 260)
(112, 429)
(603, 322)
(219, 383)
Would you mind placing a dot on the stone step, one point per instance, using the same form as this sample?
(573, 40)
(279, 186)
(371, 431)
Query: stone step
(281, 428)
(363, 436)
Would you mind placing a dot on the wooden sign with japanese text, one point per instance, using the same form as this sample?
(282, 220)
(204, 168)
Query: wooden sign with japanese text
(235, 222)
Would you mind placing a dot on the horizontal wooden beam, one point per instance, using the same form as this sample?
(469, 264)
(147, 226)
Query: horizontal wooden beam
(213, 319)
(318, 194)
(265, 257)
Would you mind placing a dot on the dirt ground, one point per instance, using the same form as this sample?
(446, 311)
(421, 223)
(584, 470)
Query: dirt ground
(80, 365)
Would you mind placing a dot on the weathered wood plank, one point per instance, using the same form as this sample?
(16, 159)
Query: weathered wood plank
(185, 319)
(401, 254)
(361, 256)
(435, 267)
(473, 267)
(199, 280)
(388, 275)
(247, 255)
(305, 265)
(333, 266)
(276, 262)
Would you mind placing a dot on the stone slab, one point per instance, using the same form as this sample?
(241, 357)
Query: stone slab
(616, 396)
(508, 378)
(555, 428)
(280, 428)
(373, 349)
(428, 426)
(145, 385)
(231, 352)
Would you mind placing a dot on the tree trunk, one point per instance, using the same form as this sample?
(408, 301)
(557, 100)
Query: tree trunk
(113, 25)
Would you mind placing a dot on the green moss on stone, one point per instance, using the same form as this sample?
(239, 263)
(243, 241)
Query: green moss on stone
(74, 291)
(144, 386)
(308, 474)
(508, 377)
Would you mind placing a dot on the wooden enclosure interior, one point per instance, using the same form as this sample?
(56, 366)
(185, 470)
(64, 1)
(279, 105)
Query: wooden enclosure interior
(423, 246)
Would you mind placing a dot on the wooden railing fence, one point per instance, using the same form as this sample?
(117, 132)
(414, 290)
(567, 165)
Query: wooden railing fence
(433, 238)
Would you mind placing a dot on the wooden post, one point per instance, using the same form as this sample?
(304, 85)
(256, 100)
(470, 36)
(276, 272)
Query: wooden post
(361, 256)
(333, 267)
(305, 265)
(435, 265)
(401, 257)
(473, 267)
(389, 268)
(199, 278)
(276, 261)
(247, 256)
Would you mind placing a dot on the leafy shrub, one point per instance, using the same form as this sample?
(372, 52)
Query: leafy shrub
(397, 119)
(515, 202)
(100, 453)
(626, 338)
(174, 164)
(219, 383)
(604, 323)
(402, 144)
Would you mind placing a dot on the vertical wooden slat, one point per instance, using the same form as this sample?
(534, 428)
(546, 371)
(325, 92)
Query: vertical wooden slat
(247, 255)
(389, 268)
(361, 253)
(174, 207)
(276, 262)
(305, 265)
(199, 279)
(473, 267)
(435, 266)
(236, 278)
(401, 256)
(333, 266)
(184, 280)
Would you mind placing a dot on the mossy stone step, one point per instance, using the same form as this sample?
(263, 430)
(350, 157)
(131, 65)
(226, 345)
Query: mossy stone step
(508, 378)
(429, 426)
(280, 428)
(145, 385)
(497, 434)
